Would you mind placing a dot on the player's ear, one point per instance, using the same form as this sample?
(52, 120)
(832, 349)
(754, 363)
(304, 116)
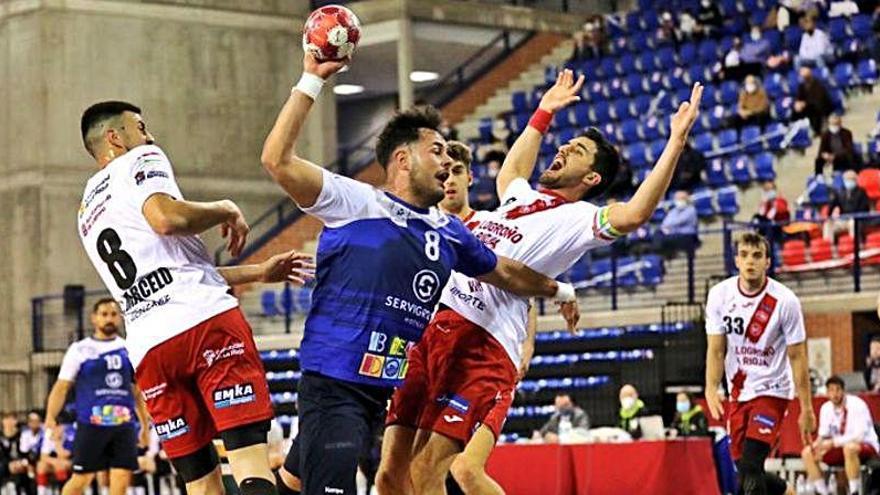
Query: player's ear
(401, 157)
(470, 178)
(592, 179)
(114, 137)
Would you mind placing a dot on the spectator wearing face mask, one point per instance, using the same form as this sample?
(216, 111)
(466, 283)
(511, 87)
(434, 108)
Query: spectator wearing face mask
(567, 417)
(815, 49)
(731, 66)
(836, 148)
(773, 208)
(852, 199)
(755, 51)
(872, 364)
(631, 409)
(667, 32)
(709, 19)
(679, 228)
(753, 106)
(689, 420)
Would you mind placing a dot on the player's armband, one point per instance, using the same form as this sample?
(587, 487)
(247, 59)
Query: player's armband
(602, 227)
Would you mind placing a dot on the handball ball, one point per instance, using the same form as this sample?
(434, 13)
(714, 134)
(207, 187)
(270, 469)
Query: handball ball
(331, 33)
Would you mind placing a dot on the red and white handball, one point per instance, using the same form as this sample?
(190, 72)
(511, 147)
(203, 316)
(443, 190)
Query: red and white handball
(331, 33)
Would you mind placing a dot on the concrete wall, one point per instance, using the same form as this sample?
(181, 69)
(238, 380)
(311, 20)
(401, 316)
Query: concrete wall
(210, 76)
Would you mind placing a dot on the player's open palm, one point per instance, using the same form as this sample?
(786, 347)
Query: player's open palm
(807, 423)
(683, 120)
(571, 313)
(235, 229)
(291, 266)
(323, 68)
(565, 92)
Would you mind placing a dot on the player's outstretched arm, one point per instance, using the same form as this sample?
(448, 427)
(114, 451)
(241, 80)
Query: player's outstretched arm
(520, 160)
(629, 216)
(55, 402)
(140, 409)
(169, 216)
(515, 277)
(800, 369)
(715, 351)
(291, 266)
(301, 179)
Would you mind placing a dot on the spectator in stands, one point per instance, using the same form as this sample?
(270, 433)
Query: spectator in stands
(812, 100)
(731, 66)
(852, 199)
(689, 420)
(567, 417)
(846, 437)
(691, 164)
(13, 466)
(753, 106)
(484, 194)
(590, 42)
(709, 19)
(872, 364)
(449, 132)
(755, 51)
(631, 409)
(31, 437)
(678, 231)
(667, 32)
(836, 148)
(843, 8)
(55, 457)
(815, 49)
(773, 208)
(687, 26)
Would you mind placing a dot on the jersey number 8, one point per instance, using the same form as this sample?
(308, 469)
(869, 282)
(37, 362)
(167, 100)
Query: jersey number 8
(432, 245)
(118, 261)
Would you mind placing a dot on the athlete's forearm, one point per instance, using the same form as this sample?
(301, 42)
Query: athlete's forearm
(515, 277)
(140, 407)
(630, 215)
(56, 399)
(241, 274)
(169, 216)
(520, 160)
(714, 364)
(800, 369)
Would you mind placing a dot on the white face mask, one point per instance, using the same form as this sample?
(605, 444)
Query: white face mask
(627, 402)
(770, 195)
(751, 87)
(706, 4)
(833, 129)
(680, 203)
(756, 35)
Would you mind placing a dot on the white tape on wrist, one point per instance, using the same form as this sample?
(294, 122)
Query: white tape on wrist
(309, 85)
(565, 292)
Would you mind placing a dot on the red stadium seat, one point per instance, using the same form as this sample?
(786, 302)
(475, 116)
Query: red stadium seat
(794, 252)
(845, 246)
(873, 242)
(869, 180)
(820, 250)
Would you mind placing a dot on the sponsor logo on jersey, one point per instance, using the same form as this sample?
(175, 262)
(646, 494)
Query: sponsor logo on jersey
(113, 380)
(372, 365)
(468, 299)
(408, 307)
(144, 175)
(172, 428)
(109, 415)
(377, 342)
(392, 368)
(234, 395)
(454, 402)
(142, 309)
(399, 347)
(211, 356)
(154, 391)
(93, 217)
(146, 286)
(425, 285)
(91, 195)
(475, 285)
(765, 431)
(765, 420)
(453, 418)
(332, 490)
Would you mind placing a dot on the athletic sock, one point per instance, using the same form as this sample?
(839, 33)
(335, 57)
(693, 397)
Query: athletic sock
(854, 486)
(820, 487)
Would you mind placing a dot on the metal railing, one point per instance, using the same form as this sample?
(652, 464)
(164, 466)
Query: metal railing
(57, 320)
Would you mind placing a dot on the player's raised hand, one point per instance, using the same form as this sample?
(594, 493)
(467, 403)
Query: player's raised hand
(563, 93)
(323, 69)
(572, 314)
(683, 120)
(716, 408)
(291, 266)
(235, 229)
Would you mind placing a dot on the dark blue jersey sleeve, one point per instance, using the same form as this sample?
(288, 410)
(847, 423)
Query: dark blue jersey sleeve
(473, 257)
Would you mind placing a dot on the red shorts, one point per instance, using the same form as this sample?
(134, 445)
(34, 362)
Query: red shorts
(207, 379)
(834, 457)
(759, 419)
(459, 378)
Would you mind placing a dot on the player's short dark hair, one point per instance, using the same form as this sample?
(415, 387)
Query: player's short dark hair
(101, 302)
(404, 129)
(8, 414)
(459, 152)
(835, 380)
(606, 163)
(875, 338)
(97, 114)
(750, 238)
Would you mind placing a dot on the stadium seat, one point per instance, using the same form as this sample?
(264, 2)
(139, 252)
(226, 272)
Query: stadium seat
(581, 113)
(703, 142)
(660, 212)
(750, 138)
(680, 96)
(708, 52)
(703, 203)
(716, 175)
(561, 119)
(867, 72)
(862, 26)
(782, 108)
(774, 38)
(269, 303)
(740, 170)
(729, 93)
(774, 134)
(717, 117)
(817, 191)
(628, 63)
(845, 246)
(764, 167)
(651, 270)
(641, 104)
(675, 81)
(869, 180)
(820, 250)
(872, 242)
(646, 62)
(728, 205)
(837, 29)
(616, 88)
(845, 75)
(621, 109)
(655, 83)
(602, 112)
(651, 129)
(520, 103)
(727, 139)
(794, 252)
(636, 155)
(629, 131)
(655, 149)
(485, 128)
(665, 58)
(635, 86)
(566, 135)
(792, 38)
(687, 53)
(801, 139)
(775, 86)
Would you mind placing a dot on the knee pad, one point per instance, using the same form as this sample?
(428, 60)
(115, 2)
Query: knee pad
(245, 436)
(257, 486)
(196, 465)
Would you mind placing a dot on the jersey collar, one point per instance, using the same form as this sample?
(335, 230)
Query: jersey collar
(417, 209)
(553, 193)
(756, 294)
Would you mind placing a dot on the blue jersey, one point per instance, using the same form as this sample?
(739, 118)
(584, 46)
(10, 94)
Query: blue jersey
(381, 267)
(103, 377)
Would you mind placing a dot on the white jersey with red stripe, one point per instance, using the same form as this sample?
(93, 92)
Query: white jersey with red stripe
(537, 228)
(759, 328)
(164, 284)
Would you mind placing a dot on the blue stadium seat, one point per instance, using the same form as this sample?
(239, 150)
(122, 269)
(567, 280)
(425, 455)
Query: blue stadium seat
(634, 85)
(566, 135)
(621, 109)
(654, 82)
(867, 72)
(655, 148)
(675, 80)
(703, 142)
(818, 192)
(651, 129)
(728, 205)
(862, 26)
(699, 73)
(750, 137)
(550, 73)
(651, 271)
(641, 104)
(639, 42)
(687, 53)
(597, 91)
(725, 45)
(774, 39)
(729, 93)
(716, 175)
(636, 155)
(520, 104)
(616, 88)
(681, 95)
(269, 303)
(703, 203)
(844, 75)
(522, 121)
(665, 58)
(580, 271)
(764, 167)
(602, 112)
(562, 118)
(782, 108)
(629, 131)
(626, 272)
(741, 170)
(581, 113)
(633, 21)
(775, 85)
(710, 95)
(792, 38)
(548, 144)
(837, 30)
(708, 52)
(801, 139)
(485, 128)
(660, 212)
(727, 139)
(717, 116)
(837, 181)
(628, 63)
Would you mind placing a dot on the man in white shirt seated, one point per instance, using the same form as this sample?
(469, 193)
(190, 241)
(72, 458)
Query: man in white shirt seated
(846, 437)
(815, 48)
